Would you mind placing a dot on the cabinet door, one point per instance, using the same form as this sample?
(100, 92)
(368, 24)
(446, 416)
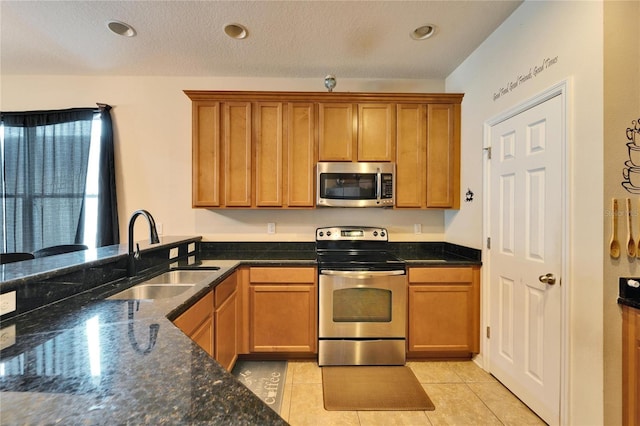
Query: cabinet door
(197, 323)
(301, 148)
(444, 306)
(203, 336)
(411, 148)
(443, 156)
(237, 154)
(282, 318)
(282, 310)
(376, 132)
(336, 131)
(268, 145)
(206, 154)
(226, 341)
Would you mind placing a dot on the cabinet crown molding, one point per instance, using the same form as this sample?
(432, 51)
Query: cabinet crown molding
(259, 96)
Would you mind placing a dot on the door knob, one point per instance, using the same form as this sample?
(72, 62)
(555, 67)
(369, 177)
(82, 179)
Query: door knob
(547, 279)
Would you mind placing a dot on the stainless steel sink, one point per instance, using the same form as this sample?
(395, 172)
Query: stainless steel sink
(179, 277)
(151, 291)
(163, 286)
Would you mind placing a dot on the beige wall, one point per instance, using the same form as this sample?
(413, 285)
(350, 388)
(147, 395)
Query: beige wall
(572, 32)
(152, 119)
(621, 107)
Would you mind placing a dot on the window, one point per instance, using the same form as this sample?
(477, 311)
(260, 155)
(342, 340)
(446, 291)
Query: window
(51, 173)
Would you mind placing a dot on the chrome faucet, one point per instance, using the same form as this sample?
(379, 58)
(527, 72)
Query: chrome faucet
(153, 239)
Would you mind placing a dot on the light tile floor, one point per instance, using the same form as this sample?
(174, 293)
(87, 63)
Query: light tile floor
(462, 393)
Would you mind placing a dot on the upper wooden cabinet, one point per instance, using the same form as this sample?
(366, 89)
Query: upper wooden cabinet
(337, 136)
(428, 156)
(356, 132)
(253, 154)
(259, 149)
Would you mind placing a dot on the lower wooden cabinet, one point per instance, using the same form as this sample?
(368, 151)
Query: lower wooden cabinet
(197, 322)
(444, 312)
(226, 322)
(282, 310)
(630, 366)
(212, 322)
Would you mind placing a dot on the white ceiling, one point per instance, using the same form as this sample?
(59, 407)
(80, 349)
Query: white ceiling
(297, 39)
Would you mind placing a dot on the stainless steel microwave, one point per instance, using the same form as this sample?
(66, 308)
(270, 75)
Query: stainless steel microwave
(355, 184)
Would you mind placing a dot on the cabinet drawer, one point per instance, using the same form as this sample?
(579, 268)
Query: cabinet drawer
(440, 275)
(271, 275)
(201, 311)
(225, 289)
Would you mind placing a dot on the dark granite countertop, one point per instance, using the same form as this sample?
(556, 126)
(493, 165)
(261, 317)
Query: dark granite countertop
(88, 360)
(414, 253)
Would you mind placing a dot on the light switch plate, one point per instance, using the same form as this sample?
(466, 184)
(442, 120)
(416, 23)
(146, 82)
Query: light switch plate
(271, 228)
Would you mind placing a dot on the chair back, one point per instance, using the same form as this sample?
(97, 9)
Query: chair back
(64, 248)
(14, 257)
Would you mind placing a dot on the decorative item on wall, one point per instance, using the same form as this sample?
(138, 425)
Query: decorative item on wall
(330, 82)
(631, 171)
(633, 245)
(614, 245)
(468, 195)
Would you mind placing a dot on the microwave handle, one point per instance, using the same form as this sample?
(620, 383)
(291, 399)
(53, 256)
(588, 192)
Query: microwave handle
(379, 186)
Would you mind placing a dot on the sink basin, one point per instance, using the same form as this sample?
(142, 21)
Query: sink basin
(179, 277)
(151, 291)
(163, 286)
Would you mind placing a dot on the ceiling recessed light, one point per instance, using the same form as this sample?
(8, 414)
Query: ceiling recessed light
(121, 28)
(423, 32)
(236, 31)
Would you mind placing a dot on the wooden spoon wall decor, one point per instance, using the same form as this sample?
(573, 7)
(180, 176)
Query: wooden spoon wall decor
(631, 244)
(614, 246)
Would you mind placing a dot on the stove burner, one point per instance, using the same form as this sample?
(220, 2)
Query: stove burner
(355, 249)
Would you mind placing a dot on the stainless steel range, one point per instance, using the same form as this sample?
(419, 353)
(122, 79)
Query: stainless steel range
(362, 298)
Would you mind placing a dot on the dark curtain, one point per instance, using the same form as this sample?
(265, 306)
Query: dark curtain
(108, 230)
(45, 159)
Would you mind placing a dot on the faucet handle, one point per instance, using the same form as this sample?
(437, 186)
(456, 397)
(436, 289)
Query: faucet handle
(137, 252)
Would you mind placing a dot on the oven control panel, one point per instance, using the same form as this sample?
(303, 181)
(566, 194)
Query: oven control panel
(351, 233)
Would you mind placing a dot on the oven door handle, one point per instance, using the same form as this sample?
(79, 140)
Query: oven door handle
(363, 274)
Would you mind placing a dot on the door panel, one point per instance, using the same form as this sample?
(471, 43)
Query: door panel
(526, 223)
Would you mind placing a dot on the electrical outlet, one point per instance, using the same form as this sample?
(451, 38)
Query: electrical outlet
(271, 228)
(7, 302)
(417, 228)
(7, 336)
(173, 253)
(159, 227)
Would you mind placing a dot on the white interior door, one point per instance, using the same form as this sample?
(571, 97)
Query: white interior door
(525, 227)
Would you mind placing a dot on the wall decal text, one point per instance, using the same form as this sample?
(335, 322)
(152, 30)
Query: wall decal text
(516, 82)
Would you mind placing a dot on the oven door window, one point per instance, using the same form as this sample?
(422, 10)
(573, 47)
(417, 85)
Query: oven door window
(348, 186)
(362, 305)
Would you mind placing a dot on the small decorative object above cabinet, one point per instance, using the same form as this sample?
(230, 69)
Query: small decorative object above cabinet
(259, 149)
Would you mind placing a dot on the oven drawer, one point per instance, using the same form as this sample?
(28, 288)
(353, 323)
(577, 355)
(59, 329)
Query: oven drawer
(362, 352)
